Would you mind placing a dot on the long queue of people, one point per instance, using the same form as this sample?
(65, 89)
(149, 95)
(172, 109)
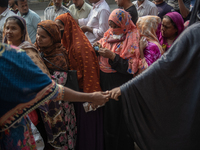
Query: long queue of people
(136, 68)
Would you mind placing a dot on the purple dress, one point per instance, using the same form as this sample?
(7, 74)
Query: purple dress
(151, 53)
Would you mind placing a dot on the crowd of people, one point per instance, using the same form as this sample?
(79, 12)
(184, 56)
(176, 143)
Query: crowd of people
(137, 72)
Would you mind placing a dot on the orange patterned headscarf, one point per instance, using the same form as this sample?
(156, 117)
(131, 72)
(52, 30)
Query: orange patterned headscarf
(127, 49)
(147, 27)
(81, 55)
(56, 53)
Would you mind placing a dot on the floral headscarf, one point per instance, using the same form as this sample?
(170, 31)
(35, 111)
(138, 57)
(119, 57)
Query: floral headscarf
(128, 48)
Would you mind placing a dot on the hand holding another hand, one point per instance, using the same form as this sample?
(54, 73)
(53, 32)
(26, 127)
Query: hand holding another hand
(115, 93)
(100, 98)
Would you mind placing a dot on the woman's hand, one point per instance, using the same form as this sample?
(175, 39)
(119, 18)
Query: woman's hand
(107, 53)
(99, 98)
(115, 93)
(97, 44)
(143, 45)
(86, 29)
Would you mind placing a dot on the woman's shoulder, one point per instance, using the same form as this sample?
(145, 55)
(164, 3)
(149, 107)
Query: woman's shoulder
(152, 47)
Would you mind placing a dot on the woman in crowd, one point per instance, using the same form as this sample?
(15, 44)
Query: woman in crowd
(119, 60)
(150, 48)
(162, 104)
(48, 42)
(82, 58)
(171, 28)
(25, 87)
(15, 33)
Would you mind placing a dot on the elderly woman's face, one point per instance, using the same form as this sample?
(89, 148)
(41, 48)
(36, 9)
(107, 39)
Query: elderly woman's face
(168, 30)
(43, 39)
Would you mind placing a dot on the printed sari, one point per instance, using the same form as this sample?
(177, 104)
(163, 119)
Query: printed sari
(24, 87)
(61, 134)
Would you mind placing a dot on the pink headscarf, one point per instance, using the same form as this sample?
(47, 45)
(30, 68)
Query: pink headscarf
(126, 49)
(179, 22)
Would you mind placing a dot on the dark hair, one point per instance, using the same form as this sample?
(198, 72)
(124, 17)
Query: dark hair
(18, 21)
(3, 3)
(16, 1)
(61, 22)
(167, 17)
(45, 30)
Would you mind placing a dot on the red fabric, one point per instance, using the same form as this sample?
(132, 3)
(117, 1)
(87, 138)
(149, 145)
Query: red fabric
(34, 117)
(81, 54)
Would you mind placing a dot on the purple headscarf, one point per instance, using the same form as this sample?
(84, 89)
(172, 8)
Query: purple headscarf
(179, 22)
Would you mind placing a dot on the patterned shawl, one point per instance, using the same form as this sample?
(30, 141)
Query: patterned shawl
(81, 55)
(23, 92)
(56, 53)
(179, 22)
(127, 49)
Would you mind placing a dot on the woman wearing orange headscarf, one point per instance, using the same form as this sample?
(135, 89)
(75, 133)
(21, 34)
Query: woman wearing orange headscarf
(58, 117)
(119, 60)
(82, 58)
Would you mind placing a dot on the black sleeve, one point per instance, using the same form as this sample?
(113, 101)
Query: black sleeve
(119, 64)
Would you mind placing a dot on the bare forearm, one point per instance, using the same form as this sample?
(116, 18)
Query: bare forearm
(183, 9)
(90, 29)
(96, 98)
(74, 96)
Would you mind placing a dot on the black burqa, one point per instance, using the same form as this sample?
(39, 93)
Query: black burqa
(162, 105)
(195, 15)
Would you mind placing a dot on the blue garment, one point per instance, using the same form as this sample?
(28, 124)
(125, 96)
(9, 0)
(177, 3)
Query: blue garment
(20, 78)
(32, 19)
(192, 4)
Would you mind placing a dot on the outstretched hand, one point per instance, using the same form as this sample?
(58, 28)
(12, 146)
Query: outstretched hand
(115, 93)
(100, 98)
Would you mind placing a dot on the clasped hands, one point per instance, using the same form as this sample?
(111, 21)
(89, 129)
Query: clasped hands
(100, 98)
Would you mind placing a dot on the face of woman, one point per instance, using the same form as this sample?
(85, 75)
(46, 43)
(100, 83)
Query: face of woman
(13, 33)
(168, 30)
(43, 39)
(112, 24)
(59, 24)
